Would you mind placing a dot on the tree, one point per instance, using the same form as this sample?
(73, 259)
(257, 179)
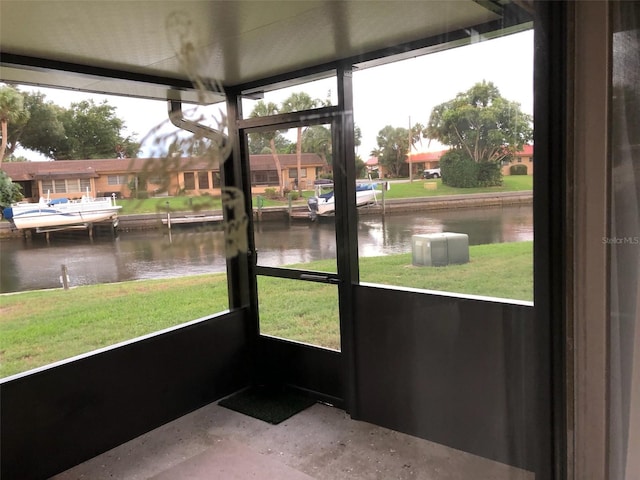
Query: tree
(14, 159)
(86, 130)
(414, 138)
(9, 192)
(294, 103)
(263, 109)
(357, 134)
(393, 147)
(93, 131)
(11, 111)
(317, 139)
(416, 134)
(259, 144)
(481, 123)
(361, 167)
(375, 152)
(42, 131)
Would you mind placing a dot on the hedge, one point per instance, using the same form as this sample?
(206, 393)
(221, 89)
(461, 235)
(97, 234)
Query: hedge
(489, 174)
(518, 169)
(459, 170)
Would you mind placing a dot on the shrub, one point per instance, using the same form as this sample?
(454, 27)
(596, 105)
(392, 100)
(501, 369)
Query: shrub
(518, 169)
(270, 193)
(294, 195)
(9, 192)
(489, 174)
(458, 170)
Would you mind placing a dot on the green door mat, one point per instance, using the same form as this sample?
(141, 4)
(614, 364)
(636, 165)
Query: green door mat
(272, 404)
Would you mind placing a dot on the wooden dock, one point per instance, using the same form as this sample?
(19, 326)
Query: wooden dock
(299, 214)
(170, 220)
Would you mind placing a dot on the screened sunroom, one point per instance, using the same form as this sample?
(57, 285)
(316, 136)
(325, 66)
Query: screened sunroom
(403, 370)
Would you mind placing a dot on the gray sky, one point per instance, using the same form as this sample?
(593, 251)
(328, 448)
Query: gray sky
(390, 94)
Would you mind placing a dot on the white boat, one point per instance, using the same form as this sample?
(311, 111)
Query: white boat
(62, 213)
(323, 201)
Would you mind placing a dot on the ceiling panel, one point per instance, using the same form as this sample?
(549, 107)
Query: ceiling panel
(233, 41)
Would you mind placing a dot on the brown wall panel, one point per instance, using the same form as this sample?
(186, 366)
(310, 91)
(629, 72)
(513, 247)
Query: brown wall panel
(316, 370)
(62, 415)
(451, 370)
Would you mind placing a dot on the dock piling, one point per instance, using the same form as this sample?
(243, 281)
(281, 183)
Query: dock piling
(64, 277)
(260, 201)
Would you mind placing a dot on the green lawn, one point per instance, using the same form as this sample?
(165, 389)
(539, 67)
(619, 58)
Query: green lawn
(512, 183)
(41, 327)
(173, 204)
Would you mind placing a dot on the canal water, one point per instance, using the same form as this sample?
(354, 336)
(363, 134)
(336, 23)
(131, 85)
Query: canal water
(33, 264)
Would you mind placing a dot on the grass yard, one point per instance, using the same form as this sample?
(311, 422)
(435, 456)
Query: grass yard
(41, 327)
(173, 204)
(502, 270)
(302, 311)
(37, 328)
(511, 183)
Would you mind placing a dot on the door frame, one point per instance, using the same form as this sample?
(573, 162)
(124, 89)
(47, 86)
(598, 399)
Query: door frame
(340, 118)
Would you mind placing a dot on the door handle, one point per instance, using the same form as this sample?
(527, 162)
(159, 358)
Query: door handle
(319, 278)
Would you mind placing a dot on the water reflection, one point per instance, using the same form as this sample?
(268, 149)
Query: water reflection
(299, 242)
(34, 264)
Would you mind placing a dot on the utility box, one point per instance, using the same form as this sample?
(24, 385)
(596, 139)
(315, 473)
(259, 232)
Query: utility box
(439, 249)
(457, 247)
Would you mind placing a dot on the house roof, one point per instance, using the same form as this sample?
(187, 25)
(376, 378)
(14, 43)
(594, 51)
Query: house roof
(527, 151)
(25, 171)
(20, 171)
(420, 157)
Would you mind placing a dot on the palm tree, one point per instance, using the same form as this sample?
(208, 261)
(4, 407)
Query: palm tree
(317, 139)
(416, 134)
(296, 103)
(263, 109)
(393, 146)
(11, 110)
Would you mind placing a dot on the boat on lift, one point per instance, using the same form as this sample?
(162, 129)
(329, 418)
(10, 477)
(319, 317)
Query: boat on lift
(60, 214)
(322, 203)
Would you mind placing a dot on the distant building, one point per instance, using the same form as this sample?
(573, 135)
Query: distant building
(424, 160)
(153, 176)
(420, 161)
(523, 157)
(375, 168)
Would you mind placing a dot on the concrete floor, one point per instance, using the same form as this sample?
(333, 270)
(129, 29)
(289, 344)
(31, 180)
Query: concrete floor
(321, 442)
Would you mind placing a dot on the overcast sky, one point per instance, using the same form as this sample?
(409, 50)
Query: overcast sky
(391, 94)
(386, 95)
